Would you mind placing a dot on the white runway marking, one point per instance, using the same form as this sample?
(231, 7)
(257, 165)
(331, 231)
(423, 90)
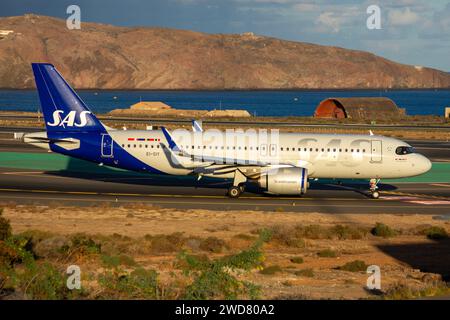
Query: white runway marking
(429, 202)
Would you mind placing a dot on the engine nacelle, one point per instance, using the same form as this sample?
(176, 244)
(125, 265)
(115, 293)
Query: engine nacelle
(285, 181)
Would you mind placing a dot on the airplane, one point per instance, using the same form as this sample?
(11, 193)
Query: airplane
(279, 164)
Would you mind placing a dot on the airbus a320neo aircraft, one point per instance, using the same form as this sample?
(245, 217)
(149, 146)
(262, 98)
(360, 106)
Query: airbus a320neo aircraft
(280, 166)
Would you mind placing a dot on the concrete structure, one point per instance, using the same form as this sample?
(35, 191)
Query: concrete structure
(447, 112)
(364, 108)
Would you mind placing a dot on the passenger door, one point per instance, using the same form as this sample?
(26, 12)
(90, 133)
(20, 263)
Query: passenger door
(107, 146)
(376, 151)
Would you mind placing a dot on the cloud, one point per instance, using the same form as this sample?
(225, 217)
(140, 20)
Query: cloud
(402, 17)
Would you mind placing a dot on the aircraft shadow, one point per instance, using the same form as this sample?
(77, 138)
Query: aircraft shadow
(427, 257)
(76, 168)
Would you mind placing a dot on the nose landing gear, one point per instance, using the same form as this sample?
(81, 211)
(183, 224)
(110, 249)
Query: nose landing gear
(374, 188)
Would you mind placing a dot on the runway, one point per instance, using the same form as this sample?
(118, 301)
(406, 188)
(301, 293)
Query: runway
(78, 185)
(35, 187)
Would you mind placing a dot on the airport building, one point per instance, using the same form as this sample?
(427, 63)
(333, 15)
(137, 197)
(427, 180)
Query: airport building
(363, 108)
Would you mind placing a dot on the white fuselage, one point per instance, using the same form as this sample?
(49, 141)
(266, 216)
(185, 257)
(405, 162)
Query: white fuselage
(324, 155)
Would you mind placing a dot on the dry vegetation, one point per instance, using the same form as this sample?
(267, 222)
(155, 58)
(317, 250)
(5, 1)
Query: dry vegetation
(146, 252)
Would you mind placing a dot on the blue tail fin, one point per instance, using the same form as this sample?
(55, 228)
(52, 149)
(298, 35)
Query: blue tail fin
(63, 109)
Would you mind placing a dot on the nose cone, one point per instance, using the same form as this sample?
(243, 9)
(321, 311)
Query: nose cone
(423, 165)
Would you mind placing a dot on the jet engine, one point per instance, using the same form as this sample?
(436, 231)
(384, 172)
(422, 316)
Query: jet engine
(285, 181)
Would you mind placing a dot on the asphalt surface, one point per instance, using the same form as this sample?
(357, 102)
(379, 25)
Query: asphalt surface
(75, 188)
(237, 122)
(37, 187)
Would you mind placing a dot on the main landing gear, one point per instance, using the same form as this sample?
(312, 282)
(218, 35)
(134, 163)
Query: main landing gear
(238, 185)
(375, 194)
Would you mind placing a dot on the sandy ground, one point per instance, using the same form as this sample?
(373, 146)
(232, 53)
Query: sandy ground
(401, 258)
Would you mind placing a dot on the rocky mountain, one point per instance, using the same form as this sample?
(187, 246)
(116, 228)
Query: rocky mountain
(110, 57)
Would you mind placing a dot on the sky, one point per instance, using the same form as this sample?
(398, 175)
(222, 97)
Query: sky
(415, 32)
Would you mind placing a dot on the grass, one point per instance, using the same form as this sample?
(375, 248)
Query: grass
(327, 253)
(354, 266)
(382, 230)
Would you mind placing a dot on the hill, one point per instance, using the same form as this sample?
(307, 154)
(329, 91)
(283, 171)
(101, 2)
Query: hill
(110, 57)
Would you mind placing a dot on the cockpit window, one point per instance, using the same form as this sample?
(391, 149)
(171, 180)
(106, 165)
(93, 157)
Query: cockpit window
(404, 150)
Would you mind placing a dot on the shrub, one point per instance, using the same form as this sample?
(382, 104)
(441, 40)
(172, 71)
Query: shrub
(311, 231)
(50, 247)
(216, 278)
(287, 237)
(15, 249)
(327, 253)
(270, 270)
(5, 227)
(382, 230)
(83, 245)
(435, 233)
(305, 273)
(297, 260)
(348, 232)
(166, 243)
(354, 266)
(212, 244)
(115, 261)
(399, 291)
(138, 284)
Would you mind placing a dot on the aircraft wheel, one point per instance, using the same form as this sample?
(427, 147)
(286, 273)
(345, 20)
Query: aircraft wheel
(234, 192)
(375, 195)
(242, 187)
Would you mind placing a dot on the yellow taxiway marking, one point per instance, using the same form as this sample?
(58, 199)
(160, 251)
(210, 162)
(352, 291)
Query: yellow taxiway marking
(214, 196)
(224, 203)
(157, 195)
(23, 172)
(441, 185)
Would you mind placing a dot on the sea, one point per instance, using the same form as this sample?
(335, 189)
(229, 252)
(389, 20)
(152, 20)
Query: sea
(259, 103)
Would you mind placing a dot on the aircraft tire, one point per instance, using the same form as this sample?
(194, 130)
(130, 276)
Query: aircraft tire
(234, 192)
